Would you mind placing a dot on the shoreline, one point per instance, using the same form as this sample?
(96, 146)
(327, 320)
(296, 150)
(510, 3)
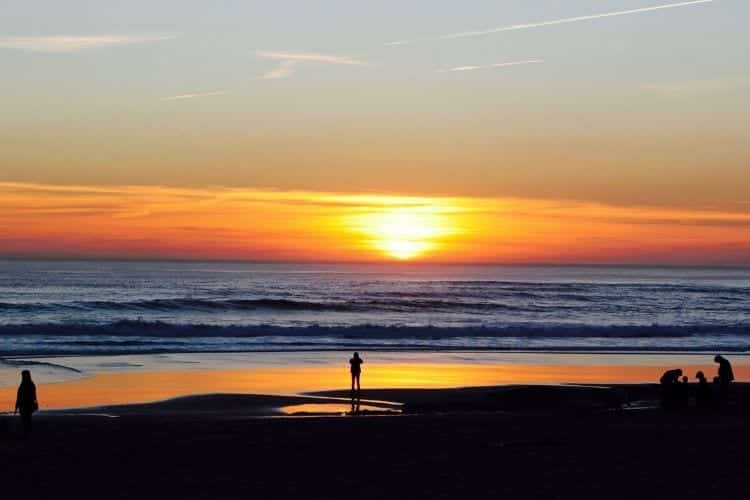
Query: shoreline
(561, 398)
(97, 381)
(386, 350)
(520, 399)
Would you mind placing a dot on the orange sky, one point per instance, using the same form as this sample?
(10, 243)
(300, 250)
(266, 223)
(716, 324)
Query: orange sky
(46, 220)
(539, 130)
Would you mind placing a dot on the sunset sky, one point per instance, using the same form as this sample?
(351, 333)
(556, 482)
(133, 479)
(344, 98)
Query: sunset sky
(478, 131)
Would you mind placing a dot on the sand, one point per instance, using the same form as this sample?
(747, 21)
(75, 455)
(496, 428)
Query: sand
(85, 381)
(511, 442)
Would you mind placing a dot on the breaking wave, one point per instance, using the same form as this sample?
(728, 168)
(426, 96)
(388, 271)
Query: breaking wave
(154, 337)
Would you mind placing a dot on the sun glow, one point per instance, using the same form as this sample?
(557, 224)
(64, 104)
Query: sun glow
(84, 221)
(405, 233)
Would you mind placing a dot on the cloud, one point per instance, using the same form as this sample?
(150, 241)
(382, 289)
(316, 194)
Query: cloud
(490, 66)
(309, 57)
(288, 62)
(63, 44)
(193, 96)
(285, 69)
(467, 34)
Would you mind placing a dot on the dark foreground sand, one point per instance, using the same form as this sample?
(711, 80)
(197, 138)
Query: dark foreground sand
(516, 442)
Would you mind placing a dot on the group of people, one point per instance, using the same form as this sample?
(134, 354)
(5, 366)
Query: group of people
(676, 389)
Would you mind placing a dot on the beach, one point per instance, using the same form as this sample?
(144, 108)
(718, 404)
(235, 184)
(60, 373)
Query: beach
(226, 380)
(519, 441)
(374, 250)
(66, 382)
(544, 439)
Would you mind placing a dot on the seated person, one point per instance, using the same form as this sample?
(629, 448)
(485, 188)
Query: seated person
(671, 376)
(703, 392)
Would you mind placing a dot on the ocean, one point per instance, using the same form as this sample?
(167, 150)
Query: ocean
(103, 307)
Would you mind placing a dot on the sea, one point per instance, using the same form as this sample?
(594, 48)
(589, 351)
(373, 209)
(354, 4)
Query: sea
(144, 307)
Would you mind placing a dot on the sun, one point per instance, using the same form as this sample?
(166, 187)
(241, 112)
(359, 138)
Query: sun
(404, 233)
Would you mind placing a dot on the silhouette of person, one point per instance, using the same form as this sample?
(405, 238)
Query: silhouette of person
(356, 370)
(683, 393)
(26, 402)
(671, 376)
(671, 390)
(726, 375)
(716, 389)
(703, 392)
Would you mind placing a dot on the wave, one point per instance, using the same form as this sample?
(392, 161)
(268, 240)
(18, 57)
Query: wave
(565, 286)
(179, 304)
(458, 296)
(146, 337)
(403, 304)
(159, 329)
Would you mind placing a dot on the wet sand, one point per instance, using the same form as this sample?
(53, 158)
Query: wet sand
(514, 442)
(86, 381)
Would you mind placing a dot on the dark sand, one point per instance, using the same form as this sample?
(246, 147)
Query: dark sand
(510, 442)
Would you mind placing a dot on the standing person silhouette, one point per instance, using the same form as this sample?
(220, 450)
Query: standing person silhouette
(26, 402)
(726, 375)
(356, 369)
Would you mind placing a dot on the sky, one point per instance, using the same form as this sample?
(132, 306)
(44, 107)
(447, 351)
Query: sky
(495, 131)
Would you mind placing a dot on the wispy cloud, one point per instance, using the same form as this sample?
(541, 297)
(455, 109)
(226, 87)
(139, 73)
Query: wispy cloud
(514, 27)
(287, 62)
(65, 43)
(193, 96)
(310, 57)
(284, 69)
(490, 66)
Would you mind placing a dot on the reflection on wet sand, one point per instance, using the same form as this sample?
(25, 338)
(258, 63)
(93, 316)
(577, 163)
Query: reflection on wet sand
(337, 409)
(138, 387)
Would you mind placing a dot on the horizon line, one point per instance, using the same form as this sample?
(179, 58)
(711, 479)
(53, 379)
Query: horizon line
(401, 263)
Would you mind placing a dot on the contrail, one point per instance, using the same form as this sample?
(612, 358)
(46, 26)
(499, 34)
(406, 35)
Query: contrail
(489, 66)
(466, 34)
(192, 96)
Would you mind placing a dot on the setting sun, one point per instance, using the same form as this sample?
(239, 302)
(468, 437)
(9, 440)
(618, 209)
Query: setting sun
(404, 232)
